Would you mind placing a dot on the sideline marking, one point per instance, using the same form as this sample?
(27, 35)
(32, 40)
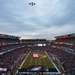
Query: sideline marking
(23, 62)
(53, 63)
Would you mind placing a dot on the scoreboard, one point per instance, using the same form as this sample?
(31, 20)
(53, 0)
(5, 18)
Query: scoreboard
(41, 44)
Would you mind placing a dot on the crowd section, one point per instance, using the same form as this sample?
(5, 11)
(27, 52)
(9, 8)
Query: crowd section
(10, 59)
(7, 40)
(63, 50)
(9, 47)
(66, 40)
(67, 60)
(67, 44)
(12, 51)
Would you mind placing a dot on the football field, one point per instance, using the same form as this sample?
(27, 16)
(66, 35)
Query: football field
(41, 59)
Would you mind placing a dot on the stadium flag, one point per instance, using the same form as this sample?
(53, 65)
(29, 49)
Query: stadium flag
(35, 55)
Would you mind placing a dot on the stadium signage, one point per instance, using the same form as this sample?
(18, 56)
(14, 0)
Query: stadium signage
(66, 36)
(3, 69)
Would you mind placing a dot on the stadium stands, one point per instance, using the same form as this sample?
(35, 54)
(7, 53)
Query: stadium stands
(13, 50)
(63, 49)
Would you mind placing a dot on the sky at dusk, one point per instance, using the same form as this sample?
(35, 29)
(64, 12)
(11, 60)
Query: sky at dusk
(46, 19)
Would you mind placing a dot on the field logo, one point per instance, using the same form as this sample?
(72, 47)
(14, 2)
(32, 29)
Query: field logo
(42, 56)
(35, 55)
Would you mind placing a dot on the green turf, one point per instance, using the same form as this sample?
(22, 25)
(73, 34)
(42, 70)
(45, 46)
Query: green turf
(43, 60)
(59, 66)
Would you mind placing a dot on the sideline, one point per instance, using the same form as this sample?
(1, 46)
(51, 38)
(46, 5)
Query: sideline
(53, 63)
(23, 62)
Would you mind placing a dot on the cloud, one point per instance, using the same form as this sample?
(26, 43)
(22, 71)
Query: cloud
(48, 18)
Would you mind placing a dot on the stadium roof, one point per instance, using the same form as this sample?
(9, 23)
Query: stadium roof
(66, 36)
(8, 36)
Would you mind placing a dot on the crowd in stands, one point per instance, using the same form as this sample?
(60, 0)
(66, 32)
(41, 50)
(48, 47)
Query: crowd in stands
(67, 44)
(11, 51)
(8, 47)
(66, 40)
(67, 59)
(6, 40)
(9, 59)
(64, 53)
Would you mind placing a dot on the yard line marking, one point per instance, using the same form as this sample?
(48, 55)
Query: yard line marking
(30, 62)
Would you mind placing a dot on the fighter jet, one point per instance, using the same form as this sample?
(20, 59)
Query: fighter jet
(32, 3)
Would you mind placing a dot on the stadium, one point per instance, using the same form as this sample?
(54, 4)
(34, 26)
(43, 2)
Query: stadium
(37, 37)
(37, 56)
